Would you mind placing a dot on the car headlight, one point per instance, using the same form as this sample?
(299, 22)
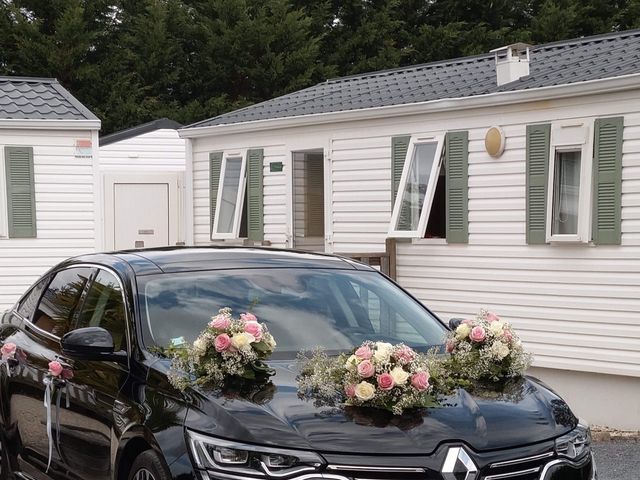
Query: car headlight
(575, 444)
(243, 459)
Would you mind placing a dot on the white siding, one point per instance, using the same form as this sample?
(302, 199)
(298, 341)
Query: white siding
(576, 307)
(153, 151)
(64, 209)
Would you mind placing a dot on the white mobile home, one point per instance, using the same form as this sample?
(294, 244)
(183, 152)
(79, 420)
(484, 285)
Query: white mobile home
(511, 180)
(48, 147)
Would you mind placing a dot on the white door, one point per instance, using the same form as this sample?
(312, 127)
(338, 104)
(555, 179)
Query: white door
(142, 211)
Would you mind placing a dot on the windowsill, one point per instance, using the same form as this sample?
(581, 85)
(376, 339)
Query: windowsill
(429, 241)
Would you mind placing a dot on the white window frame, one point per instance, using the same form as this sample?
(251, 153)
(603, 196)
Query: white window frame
(431, 186)
(4, 213)
(239, 199)
(571, 136)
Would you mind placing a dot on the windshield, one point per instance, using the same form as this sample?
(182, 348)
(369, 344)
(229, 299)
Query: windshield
(303, 308)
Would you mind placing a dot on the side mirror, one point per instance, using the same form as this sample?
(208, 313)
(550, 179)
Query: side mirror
(90, 343)
(455, 323)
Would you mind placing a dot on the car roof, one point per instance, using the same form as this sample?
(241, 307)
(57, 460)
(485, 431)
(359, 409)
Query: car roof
(183, 259)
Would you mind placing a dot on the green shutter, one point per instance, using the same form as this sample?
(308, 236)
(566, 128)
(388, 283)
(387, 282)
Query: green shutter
(457, 162)
(314, 196)
(538, 138)
(215, 164)
(399, 147)
(255, 197)
(607, 181)
(21, 203)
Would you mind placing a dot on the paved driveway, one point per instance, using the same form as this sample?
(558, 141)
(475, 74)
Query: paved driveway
(618, 460)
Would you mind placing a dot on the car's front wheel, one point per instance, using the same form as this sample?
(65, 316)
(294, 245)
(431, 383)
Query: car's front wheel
(149, 465)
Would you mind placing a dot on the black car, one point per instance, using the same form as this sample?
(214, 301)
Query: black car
(106, 318)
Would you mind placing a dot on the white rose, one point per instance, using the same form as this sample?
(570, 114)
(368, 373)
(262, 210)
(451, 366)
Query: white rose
(365, 391)
(242, 341)
(499, 350)
(399, 375)
(383, 352)
(496, 328)
(351, 363)
(199, 346)
(463, 331)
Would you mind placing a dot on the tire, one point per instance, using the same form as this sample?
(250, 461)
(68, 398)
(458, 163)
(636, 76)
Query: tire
(149, 465)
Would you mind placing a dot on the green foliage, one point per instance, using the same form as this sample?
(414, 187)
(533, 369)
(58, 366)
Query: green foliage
(132, 61)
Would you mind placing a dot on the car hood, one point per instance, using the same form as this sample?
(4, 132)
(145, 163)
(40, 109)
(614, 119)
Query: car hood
(521, 412)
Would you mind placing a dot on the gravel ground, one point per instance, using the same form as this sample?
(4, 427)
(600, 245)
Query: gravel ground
(618, 460)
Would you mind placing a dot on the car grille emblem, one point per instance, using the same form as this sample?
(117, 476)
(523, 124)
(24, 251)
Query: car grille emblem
(458, 465)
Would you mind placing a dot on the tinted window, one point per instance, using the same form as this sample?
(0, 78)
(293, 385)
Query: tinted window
(302, 307)
(60, 300)
(30, 300)
(104, 307)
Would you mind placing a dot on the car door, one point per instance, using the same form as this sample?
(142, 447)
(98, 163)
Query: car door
(87, 429)
(37, 337)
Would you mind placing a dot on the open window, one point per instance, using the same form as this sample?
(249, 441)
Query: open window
(230, 203)
(422, 179)
(569, 192)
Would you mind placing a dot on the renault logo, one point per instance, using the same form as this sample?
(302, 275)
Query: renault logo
(458, 465)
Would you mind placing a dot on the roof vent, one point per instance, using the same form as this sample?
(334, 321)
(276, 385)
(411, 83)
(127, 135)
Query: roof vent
(512, 62)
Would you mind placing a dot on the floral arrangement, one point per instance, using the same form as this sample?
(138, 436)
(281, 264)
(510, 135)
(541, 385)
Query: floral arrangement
(485, 349)
(227, 347)
(376, 374)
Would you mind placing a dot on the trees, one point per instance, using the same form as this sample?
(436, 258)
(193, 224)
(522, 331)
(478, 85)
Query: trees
(132, 61)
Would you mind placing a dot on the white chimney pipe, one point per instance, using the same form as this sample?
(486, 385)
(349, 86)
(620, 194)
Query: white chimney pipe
(512, 62)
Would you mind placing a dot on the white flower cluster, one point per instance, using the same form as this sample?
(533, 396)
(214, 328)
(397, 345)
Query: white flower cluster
(227, 347)
(377, 374)
(485, 348)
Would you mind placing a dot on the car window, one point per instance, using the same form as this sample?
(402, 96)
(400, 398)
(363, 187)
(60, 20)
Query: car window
(301, 307)
(60, 300)
(104, 307)
(28, 303)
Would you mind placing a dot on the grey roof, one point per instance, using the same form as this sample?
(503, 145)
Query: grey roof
(39, 99)
(161, 123)
(558, 63)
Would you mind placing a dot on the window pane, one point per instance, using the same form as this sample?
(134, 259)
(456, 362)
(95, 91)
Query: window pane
(30, 300)
(104, 308)
(414, 193)
(566, 193)
(60, 300)
(230, 187)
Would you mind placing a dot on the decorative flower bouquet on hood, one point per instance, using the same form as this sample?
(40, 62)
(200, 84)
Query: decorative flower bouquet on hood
(228, 347)
(376, 374)
(485, 349)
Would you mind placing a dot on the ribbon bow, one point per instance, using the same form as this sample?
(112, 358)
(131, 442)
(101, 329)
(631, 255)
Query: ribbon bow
(54, 385)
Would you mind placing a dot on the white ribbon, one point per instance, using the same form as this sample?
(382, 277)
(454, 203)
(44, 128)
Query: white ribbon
(5, 361)
(48, 391)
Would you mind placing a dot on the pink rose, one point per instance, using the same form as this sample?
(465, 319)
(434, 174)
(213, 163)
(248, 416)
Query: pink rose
(478, 334)
(8, 350)
(366, 369)
(404, 354)
(222, 342)
(466, 321)
(450, 346)
(248, 317)
(350, 390)
(67, 373)
(221, 322)
(363, 353)
(255, 329)
(492, 317)
(385, 381)
(420, 381)
(55, 368)
(507, 335)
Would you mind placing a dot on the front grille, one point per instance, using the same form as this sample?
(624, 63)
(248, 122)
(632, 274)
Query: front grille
(526, 468)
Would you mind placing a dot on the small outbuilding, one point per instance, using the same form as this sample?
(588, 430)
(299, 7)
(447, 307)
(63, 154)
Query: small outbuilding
(509, 180)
